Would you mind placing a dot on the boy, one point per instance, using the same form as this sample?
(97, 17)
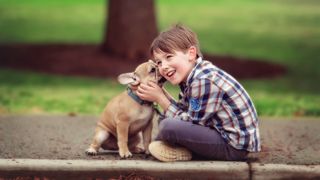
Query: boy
(214, 118)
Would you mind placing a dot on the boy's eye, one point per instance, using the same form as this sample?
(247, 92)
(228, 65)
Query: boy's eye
(158, 63)
(169, 56)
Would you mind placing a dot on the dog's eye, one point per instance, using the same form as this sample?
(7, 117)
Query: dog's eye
(153, 70)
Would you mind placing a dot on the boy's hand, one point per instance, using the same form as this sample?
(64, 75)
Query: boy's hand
(150, 92)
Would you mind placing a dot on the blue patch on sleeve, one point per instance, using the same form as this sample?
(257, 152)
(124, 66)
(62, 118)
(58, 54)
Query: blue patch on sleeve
(195, 104)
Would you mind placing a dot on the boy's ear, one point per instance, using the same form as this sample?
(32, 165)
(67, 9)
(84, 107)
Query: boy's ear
(126, 78)
(192, 53)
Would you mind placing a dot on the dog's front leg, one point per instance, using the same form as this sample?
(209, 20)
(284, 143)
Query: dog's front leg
(122, 133)
(147, 133)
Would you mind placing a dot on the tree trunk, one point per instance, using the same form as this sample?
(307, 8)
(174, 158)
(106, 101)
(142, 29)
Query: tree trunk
(131, 28)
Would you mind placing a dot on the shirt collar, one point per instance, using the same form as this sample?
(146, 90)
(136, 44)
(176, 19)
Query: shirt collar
(193, 71)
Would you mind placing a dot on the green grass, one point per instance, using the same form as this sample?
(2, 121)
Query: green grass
(280, 31)
(33, 93)
(59, 21)
(24, 93)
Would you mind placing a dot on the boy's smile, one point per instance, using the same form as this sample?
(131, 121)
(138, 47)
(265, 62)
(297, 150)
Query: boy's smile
(175, 67)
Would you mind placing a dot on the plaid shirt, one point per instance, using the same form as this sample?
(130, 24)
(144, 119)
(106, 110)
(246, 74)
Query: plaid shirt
(213, 98)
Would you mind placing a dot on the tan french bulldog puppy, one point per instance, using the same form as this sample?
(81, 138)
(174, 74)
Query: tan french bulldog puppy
(126, 115)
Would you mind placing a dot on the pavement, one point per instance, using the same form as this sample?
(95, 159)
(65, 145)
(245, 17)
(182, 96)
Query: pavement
(53, 146)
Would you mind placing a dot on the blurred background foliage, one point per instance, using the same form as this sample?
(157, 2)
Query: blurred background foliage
(280, 31)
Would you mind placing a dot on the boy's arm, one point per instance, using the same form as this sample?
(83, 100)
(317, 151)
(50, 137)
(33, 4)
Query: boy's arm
(152, 92)
(167, 94)
(164, 101)
(203, 101)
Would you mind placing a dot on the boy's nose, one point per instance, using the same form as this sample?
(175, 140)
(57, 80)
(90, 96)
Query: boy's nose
(164, 65)
(163, 69)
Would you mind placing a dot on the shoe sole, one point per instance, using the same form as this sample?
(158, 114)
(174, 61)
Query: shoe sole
(166, 153)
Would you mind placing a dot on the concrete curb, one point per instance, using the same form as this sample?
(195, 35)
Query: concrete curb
(115, 168)
(283, 171)
(75, 169)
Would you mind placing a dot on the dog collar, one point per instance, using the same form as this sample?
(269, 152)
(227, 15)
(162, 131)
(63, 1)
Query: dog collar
(137, 98)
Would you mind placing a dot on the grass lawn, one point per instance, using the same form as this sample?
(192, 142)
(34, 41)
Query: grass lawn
(33, 93)
(281, 31)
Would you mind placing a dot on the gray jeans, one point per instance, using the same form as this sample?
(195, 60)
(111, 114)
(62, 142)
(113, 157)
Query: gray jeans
(202, 141)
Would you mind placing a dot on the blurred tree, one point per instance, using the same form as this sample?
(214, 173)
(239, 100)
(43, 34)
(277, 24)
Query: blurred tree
(131, 28)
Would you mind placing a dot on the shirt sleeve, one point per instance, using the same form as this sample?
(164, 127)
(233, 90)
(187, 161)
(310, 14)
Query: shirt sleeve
(204, 99)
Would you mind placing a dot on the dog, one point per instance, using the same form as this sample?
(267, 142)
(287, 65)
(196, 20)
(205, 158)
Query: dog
(126, 115)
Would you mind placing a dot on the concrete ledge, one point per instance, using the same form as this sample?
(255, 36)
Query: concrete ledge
(81, 169)
(283, 171)
(115, 168)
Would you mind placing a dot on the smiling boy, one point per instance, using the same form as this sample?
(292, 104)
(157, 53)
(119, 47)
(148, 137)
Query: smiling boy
(214, 117)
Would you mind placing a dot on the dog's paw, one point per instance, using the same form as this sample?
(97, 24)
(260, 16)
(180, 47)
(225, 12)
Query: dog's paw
(125, 154)
(92, 152)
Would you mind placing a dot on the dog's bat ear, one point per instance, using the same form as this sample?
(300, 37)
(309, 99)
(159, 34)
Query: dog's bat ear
(126, 78)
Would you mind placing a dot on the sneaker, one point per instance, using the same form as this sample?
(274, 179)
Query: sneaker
(169, 153)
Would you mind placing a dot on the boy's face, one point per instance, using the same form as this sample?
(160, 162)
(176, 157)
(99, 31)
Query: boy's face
(177, 66)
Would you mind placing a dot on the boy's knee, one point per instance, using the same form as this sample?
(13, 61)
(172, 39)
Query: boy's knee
(167, 128)
(164, 124)
(168, 124)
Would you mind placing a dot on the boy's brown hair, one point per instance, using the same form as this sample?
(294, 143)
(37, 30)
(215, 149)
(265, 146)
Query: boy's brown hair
(177, 38)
